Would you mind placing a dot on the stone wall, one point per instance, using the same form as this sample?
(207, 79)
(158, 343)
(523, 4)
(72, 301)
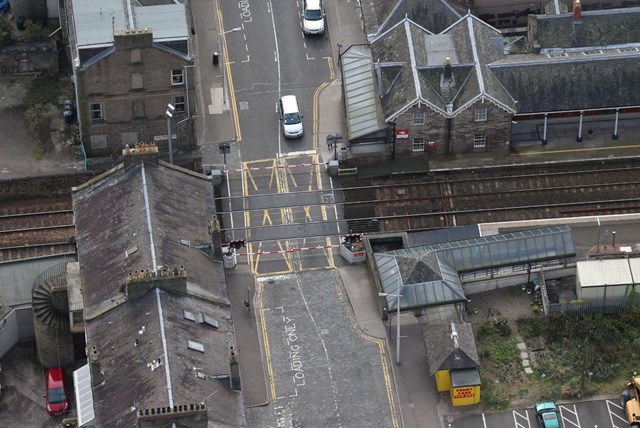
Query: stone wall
(134, 85)
(42, 186)
(29, 58)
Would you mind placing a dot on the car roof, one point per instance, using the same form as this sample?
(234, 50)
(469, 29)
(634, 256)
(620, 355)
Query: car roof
(313, 4)
(289, 103)
(55, 376)
(546, 405)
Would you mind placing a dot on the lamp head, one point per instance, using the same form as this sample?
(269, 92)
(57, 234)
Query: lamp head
(171, 107)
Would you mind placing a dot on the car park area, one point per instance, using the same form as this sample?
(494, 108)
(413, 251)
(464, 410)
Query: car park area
(605, 413)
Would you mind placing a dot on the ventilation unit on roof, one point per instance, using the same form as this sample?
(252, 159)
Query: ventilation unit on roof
(557, 54)
(593, 52)
(628, 49)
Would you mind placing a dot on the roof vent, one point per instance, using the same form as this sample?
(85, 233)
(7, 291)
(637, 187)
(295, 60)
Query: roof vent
(195, 346)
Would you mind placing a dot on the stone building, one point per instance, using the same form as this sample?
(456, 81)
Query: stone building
(433, 81)
(129, 63)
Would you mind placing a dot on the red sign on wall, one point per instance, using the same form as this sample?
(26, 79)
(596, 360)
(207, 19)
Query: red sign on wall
(402, 133)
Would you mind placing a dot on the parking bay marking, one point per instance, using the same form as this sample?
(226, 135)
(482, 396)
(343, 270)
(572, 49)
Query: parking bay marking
(525, 417)
(568, 420)
(615, 414)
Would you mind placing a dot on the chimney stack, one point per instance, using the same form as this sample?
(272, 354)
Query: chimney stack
(94, 367)
(447, 68)
(147, 152)
(577, 12)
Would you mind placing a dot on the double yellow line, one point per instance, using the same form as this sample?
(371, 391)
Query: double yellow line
(234, 108)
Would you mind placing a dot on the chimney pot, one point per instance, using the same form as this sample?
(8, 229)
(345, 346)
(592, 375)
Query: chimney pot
(577, 11)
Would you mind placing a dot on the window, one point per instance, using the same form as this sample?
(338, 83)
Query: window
(195, 346)
(138, 109)
(479, 141)
(136, 81)
(481, 114)
(135, 55)
(593, 52)
(178, 103)
(629, 49)
(557, 54)
(97, 111)
(177, 77)
(419, 118)
(418, 145)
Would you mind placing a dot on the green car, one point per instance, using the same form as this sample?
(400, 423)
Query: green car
(548, 415)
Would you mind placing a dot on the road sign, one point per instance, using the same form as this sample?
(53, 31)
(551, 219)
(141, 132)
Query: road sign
(402, 134)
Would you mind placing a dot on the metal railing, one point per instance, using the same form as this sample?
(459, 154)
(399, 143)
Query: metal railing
(57, 270)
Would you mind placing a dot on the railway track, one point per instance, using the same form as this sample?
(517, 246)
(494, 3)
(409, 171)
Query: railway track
(38, 227)
(452, 198)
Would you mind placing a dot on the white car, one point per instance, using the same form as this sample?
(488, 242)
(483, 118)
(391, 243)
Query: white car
(313, 17)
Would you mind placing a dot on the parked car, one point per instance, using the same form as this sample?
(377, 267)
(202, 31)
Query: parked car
(548, 415)
(56, 393)
(313, 17)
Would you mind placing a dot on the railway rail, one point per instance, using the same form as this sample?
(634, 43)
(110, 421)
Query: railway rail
(37, 227)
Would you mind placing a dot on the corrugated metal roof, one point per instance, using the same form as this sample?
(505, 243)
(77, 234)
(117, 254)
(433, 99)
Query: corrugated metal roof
(634, 265)
(360, 92)
(595, 273)
(96, 20)
(84, 396)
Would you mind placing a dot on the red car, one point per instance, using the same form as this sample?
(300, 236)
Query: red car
(57, 401)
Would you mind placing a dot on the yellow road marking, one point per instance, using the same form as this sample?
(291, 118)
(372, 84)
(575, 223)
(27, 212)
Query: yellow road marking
(549, 152)
(266, 217)
(234, 109)
(307, 214)
(265, 342)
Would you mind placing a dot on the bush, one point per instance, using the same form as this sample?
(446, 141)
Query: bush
(33, 31)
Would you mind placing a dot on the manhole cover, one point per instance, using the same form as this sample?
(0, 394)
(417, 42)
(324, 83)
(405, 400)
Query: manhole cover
(244, 105)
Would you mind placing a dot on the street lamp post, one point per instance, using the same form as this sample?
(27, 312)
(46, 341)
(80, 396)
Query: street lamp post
(397, 296)
(169, 113)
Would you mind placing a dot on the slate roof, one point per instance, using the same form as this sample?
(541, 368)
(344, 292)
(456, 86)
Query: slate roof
(152, 216)
(575, 82)
(135, 218)
(435, 15)
(411, 62)
(441, 351)
(133, 380)
(597, 28)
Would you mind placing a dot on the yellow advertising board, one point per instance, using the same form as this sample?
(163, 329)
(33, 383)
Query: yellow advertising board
(465, 395)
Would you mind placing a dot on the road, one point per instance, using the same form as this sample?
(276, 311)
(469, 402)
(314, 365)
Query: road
(320, 368)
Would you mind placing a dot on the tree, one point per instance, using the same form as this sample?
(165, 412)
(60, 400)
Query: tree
(6, 36)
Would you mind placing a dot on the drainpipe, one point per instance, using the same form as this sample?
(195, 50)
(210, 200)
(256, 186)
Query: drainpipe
(615, 128)
(544, 133)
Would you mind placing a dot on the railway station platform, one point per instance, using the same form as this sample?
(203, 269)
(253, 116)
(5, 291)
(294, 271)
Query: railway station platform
(561, 149)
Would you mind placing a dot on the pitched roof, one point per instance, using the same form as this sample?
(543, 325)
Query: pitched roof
(143, 218)
(435, 15)
(410, 61)
(149, 217)
(160, 370)
(442, 354)
(574, 82)
(596, 28)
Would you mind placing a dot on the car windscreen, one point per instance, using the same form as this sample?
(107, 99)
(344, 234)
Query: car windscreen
(56, 396)
(313, 14)
(549, 417)
(291, 118)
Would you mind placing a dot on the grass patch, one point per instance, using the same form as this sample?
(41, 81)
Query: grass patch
(583, 356)
(42, 91)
